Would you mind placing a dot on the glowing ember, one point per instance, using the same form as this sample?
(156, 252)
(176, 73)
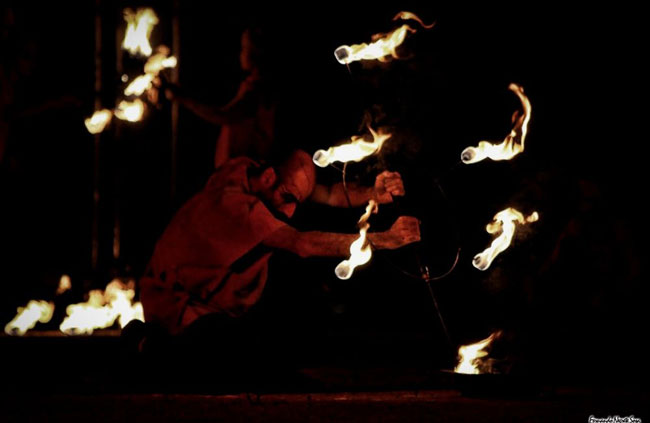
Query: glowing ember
(470, 355)
(160, 61)
(138, 29)
(139, 85)
(64, 284)
(355, 151)
(360, 251)
(102, 310)
(503, 223)
(382, 45)
(98, 121)
(130, 110)
(27, 317)
(512, 145)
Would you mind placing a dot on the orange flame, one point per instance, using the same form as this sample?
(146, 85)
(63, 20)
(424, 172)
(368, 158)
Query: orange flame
(470, 355)
(360, 251)
(102, 310)
(130, 110)
(98, 121)
(405, 16)
(356, 150)
(138, 29)
(512, 145)
(64, 284)
(27, 317)
(503, 223)
(139, 85)
(160, 61)
(152, 68)
(382, 45)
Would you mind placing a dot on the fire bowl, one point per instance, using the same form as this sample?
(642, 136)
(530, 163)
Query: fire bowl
(493, 384)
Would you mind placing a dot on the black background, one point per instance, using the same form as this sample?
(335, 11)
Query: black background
(570, 291)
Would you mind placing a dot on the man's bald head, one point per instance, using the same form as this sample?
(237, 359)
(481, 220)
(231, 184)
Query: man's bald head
(298, 173)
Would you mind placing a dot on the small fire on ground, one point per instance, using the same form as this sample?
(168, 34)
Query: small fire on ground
(103, 309)
(473, 357)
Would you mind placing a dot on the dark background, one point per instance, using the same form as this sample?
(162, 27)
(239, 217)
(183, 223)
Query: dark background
(570, 292)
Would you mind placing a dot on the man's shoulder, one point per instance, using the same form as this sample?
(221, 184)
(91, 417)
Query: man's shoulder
(233, 174)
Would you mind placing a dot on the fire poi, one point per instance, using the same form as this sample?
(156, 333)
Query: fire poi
(354, 151)
(513, 144)
(382, 46)
(503, 225)
(360, 250)
(136, 41)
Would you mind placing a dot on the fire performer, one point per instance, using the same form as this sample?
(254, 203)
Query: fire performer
(248, 120)
(213, 257)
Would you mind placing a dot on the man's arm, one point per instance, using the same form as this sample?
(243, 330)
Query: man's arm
(206, 112)
(404, 231)
(235, 110)
(335, 195)
(387, 185)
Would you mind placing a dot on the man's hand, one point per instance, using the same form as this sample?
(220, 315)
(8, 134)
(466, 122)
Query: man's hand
(387, 185)
(404, 231)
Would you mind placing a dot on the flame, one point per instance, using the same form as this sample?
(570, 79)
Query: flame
(139, 85)
(471, 354)
(98, 121)
(138, 29)
(152, 68)
(405, 16)
(503, 223)
(102, 309)
(385, 45)
(64, 284)
(27, 317)
(382, 45)
(355, 151)
(360, 251)
(160, 61)
(130, 110)
(512, 145)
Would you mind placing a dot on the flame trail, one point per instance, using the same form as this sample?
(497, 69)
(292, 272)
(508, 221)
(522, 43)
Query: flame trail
(360, 251)
(138, 30)
(98, 121)
(131, 111)
(382, 45)
(512, 145)
(355, 151)
(503, 223)
(139, 85)
(155, 64)
(27, 317)
(160, 61)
